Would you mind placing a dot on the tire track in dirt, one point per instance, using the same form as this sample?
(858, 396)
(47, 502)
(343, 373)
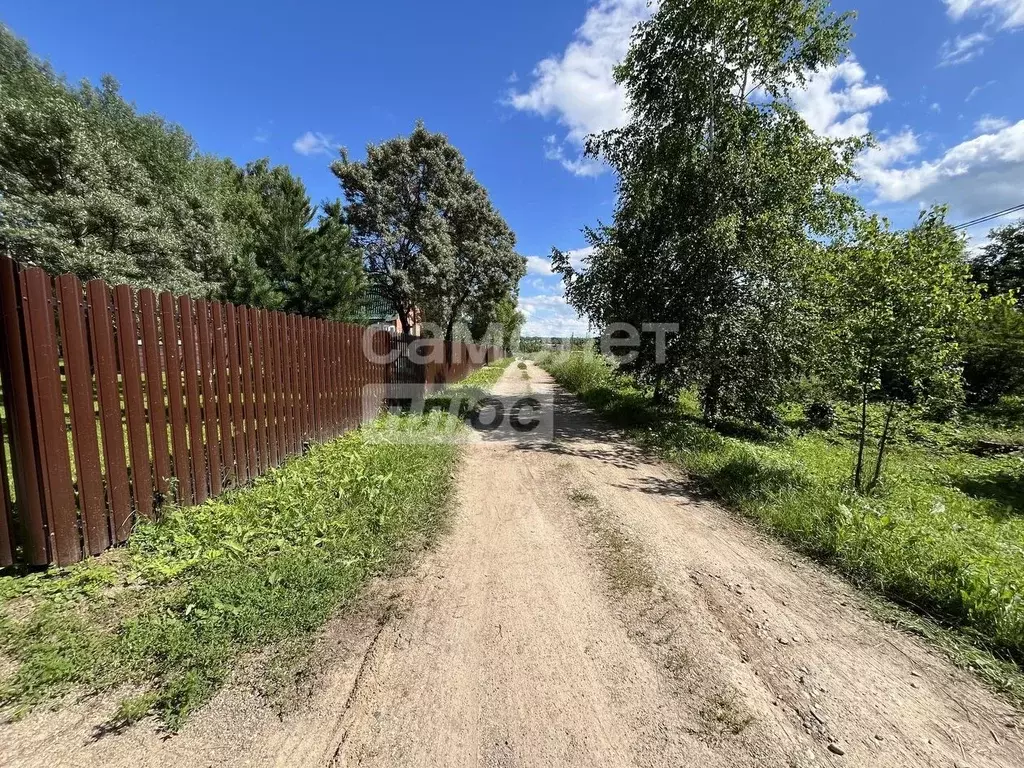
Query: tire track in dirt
(584, 610)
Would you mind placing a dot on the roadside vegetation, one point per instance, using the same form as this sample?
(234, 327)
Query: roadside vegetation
(853, 386)
(942, 533)
(465, 396)
(163, 621)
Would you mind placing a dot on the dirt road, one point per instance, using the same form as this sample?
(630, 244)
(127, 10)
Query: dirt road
(585, 610)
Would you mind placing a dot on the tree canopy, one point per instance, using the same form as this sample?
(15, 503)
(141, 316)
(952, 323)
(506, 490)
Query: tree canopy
(894, 308)
(734, 226)
(431, 238)
(1000, 265)
(723, 192)
(90, 186)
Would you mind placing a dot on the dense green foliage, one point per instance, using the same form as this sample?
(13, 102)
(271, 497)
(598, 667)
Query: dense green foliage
(258, 567)
(498, 325)
(90, 186)
(431, 238)
(994, 351)
(890, 309)
(1000, 265)
(733, 227)
(942, 533)
(724, 191)
(282, 260)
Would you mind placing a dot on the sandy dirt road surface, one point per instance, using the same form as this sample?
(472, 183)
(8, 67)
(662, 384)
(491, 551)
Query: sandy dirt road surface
(584, 610)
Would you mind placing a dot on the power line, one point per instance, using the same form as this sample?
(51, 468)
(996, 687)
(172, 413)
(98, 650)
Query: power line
(989, 217)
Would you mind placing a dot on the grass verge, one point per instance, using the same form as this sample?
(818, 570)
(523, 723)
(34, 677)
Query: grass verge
(943, 535)
(467, 394)
(168, 616)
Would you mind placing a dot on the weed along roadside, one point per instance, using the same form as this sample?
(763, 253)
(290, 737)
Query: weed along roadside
(952, 557)
(261, 568)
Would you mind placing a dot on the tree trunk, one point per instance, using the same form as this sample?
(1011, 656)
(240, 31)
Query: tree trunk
(711, 396)
(859, 471)
(881, 447)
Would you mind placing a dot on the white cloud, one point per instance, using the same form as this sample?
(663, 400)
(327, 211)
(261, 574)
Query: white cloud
(875, 165)
(578, 165)
(311, 143)
(579, 257)
(577, 88)
(976, 177)
(978, 89)
(836, 101)
(989, 124)
(962, 49)
(548, 315)
(1009, 14)
(538, 265)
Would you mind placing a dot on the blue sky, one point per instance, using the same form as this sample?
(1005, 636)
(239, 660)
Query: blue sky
(516, 86)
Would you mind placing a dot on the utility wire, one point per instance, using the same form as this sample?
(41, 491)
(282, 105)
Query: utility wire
(989, 217)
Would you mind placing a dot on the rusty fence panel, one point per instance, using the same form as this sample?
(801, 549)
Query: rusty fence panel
(175, 398)
(58, 500)
(190, 366)
(7, 546)
(220, 368)
(155, 400)
(241, 476)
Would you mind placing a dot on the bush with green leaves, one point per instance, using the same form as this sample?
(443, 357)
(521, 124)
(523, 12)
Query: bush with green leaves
(994, 352)
(892, 307)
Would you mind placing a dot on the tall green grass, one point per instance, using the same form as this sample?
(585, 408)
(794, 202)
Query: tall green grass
(268, 564)
(944, 534)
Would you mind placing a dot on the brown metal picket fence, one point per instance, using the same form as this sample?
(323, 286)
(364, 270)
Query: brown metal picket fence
(115, 400)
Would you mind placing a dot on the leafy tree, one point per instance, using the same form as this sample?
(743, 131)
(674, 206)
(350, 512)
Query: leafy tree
(894, 306)
(994, 348)
(994, 351)
(268, 213)
(724, 192)
(510, 319)
(89, 186)
(1000, 266)
(499, 324)
(431, 238)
